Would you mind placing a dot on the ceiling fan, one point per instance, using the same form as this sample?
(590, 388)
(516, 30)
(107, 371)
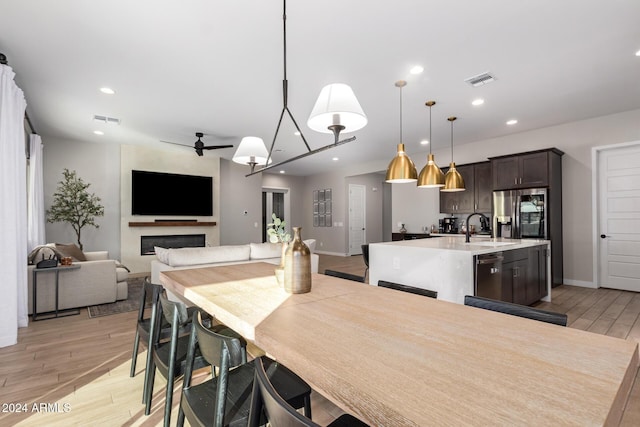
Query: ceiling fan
(199, 145)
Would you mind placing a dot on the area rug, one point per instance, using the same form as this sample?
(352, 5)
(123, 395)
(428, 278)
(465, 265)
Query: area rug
(132, 302)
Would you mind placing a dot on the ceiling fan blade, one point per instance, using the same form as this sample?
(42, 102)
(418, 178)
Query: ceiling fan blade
(215, 147)
(176, 143)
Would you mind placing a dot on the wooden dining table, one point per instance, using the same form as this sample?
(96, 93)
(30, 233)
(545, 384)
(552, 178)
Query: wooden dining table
(397, 359)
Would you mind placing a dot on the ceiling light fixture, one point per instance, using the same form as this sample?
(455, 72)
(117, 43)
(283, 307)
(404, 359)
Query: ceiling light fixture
(416, 70)
(401, 169)
(512, 122)
(252, 152)
(107, 90)
(431, 176)
(638, 53)
(336, 110)
(453, 180)
(477, 102)
(98, 132)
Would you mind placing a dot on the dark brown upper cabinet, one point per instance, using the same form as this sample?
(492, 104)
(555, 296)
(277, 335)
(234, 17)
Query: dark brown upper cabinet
(525, 170)
(477, 194)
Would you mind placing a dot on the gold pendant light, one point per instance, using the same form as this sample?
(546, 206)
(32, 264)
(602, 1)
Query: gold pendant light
(401, 169)
(453, 180)
(431, 176)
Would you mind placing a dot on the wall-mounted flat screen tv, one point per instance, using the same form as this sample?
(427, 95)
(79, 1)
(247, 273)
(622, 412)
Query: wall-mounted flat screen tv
(164, 194)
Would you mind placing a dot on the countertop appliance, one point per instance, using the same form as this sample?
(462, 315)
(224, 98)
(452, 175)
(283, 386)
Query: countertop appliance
(448, 225)
(521, 214)
(488, 275)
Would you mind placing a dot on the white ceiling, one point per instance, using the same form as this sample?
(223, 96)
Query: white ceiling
(215, 66)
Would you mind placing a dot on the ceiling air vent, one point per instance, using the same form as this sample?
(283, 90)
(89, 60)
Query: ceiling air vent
(105, 119)
(480, 79)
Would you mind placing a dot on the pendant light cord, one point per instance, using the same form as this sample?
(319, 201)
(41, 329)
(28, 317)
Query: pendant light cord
(451, 141)
(401, 115)
(284, 56)
(430, 129)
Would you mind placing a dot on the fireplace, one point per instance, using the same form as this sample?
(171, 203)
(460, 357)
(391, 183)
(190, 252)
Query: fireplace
(147, 243)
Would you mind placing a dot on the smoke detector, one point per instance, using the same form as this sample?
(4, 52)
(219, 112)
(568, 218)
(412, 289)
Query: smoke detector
(480, 79)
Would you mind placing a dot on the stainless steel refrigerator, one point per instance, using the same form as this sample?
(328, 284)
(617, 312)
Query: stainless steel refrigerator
(530, 214)
(521, 214)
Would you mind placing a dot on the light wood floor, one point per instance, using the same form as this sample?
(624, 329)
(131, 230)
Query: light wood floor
(82, 365)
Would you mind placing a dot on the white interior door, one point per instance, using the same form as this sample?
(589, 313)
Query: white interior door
(619, 218)
(357, 218)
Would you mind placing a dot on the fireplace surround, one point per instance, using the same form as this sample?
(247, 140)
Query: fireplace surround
(148, 243)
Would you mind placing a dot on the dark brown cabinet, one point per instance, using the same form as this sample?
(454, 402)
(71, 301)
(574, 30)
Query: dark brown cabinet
(524, 275)
(526, 170)
(483, 187)
(477, 194)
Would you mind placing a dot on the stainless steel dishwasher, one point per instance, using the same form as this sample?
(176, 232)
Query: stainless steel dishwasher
(488, 275)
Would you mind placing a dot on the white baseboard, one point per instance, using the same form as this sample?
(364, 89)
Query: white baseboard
(330, 253)
(580, 283)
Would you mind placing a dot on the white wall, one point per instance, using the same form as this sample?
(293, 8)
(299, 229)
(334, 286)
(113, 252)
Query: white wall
(237, 195)
(98, 165)
(150, 159)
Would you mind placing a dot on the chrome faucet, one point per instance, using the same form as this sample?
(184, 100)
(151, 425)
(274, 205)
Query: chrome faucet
(467, 233)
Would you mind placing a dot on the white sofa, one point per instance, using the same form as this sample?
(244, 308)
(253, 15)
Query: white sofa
(99, 280)
(183, 258)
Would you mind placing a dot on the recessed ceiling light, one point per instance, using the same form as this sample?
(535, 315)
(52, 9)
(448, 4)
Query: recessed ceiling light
(98, 132)
(638, 53)
(512, 122)
(477, 102)
(107, 90)
(424, 142)
(335, 159)
(281, 171)
(416, 69)
(296, 133)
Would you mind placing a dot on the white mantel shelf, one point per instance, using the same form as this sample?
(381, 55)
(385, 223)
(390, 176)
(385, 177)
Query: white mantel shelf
(173, 224)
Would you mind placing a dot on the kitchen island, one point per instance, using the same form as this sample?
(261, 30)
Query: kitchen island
(447, 265)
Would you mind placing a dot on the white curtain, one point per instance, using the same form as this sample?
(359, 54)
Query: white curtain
(13, 209)
(35, 194)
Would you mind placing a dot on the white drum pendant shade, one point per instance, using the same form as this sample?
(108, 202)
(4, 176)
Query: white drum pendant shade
(337, 105)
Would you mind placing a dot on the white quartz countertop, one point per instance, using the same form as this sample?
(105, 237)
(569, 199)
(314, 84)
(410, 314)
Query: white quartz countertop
(477, 245)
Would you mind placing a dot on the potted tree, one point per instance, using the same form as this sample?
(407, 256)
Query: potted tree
(73, 204)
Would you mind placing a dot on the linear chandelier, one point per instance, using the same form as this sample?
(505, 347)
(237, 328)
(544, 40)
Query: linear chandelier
(336, 110)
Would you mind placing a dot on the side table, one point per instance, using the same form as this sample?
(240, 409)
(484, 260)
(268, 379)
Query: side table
(56, 312)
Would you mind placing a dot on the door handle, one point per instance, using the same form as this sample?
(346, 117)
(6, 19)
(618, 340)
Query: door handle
(602, 236)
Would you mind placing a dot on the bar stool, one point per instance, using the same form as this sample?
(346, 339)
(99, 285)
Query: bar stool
(278, 412)
(169, 356)
(226, 399)
(516, 310)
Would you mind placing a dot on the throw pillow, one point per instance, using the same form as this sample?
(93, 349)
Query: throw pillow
(71, 250)
(162, 254)
(265, 250)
